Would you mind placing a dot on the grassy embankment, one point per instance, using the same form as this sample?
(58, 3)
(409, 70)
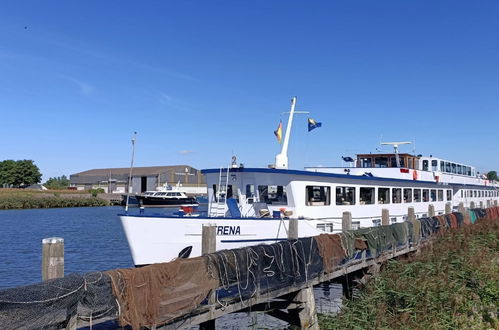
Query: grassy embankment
(26, 199)
(454, 284)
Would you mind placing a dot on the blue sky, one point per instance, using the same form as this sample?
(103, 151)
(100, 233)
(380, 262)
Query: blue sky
(202, 80)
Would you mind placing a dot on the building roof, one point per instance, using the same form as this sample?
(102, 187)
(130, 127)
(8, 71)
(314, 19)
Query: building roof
(137, 171)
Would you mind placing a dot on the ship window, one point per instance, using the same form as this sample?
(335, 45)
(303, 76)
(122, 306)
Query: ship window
(250, 191)
(454, 168)
(468, 170)
(393, 162)
(396, 195)
(426, 195)
(440, 195)
(383, 195)
(417, 195)
(447, 167)
(376, 222)
(345, 195)
(222, 194)
(366, 162)
(425, 165)
(434, 165)
(381, 162)
(442, 166)
(326, 227)
(366, 195)
(407, 195)
(433, 195)
(474, 193)
(273, 194)
(318, 195)
(459, 169)
(449, 195)
(355, 225)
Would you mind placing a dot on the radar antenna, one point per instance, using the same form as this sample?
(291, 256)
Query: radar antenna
(395, 149)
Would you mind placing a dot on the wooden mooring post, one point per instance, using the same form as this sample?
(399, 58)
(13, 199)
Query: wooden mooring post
(385, 217)
(481, 204)
(472, 205)
(346, 222)
(209, 245)
(293, 229)
(52, 258)
(431, 210)
(411, 215)
(448, 208)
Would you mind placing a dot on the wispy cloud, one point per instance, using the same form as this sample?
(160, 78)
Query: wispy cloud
(83, 87)
(186, 152)
(165, 98)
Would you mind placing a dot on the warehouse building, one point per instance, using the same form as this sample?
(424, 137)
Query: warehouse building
(115, 180)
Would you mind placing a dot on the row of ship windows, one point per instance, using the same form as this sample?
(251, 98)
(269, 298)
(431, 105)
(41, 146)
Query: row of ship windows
(321, 195)
(479, 193)
(448, 167)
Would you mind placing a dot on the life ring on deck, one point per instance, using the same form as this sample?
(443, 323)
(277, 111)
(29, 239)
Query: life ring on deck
(414, 175)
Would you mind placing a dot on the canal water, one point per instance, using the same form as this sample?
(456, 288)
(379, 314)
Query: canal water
(94, 241)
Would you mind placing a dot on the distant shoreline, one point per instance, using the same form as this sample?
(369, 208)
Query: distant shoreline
(18, 199)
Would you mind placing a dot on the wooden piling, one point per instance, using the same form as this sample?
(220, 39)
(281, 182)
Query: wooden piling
(385, 217)
(209, 238)
(346, 223)
(495, 202)
(431, 210)
(448, 208)
(472, 205)
(209, 245)
(308, 313)
(52, 258)
(481, 204)
(411, 215)
(293, 229)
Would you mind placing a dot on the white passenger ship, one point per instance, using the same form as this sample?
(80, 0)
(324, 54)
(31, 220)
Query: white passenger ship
(252, 205)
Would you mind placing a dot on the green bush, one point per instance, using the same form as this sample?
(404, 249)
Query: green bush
(34, 202)
(95, 192)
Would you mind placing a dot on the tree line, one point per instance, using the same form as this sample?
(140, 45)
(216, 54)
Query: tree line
(23, 173)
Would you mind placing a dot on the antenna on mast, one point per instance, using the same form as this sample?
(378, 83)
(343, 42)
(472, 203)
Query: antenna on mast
(395, 149)
(130, 175)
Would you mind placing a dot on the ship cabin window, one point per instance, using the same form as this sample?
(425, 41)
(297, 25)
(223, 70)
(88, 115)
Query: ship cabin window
(447, 167)
(426, 195)
(449, 195)
(442, 166)
(468, 170)
(454, 168)
(318, 195)
(355, 225)
(366, 195)
(222, 194)
(393, 162)
(250, 193)
(366, 162)
(396, 195)
(381, 162)
(326, 227)
(434, 165)
(433, 195)
(425, 165)
(417, 195)
(272, 194)
(440, 195)
(383, 195)
(345, 196)
(474, 193)
(407, 195)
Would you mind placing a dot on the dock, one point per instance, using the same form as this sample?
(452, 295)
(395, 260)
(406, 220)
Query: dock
(276, 278)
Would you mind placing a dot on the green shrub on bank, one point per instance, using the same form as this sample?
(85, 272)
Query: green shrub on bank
(31, 202)
(454, 284)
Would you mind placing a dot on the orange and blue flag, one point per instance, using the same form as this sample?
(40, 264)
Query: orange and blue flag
(312, 124)
(278, 132)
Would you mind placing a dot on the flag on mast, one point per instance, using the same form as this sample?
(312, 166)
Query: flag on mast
(278, 132)
(312, 124)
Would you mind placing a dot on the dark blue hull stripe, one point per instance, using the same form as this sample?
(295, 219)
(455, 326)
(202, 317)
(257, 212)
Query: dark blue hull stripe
(253, 240)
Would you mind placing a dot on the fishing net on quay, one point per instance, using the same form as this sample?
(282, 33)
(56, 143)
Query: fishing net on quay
(50, 304)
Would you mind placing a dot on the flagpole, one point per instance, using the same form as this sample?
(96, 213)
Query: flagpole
(131, 169)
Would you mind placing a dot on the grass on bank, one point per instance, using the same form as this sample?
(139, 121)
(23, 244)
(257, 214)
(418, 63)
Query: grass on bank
(29, 199)
(453, 284)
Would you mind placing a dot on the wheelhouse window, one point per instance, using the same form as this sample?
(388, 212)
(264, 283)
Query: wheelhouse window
(222, 195)
(449, 195)
(417, 195)
(425, 165)
(273, 194)
(447, 167)
(318, 195)
(383, 195)
(454, 168)
(407, 195)
(426, 195)
(366, 162)
(381, 162)
(396, 195)
(442, 166)
(433, 195)
(434, 165)
(345, 195)
(366, 195)
(440, 195)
